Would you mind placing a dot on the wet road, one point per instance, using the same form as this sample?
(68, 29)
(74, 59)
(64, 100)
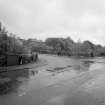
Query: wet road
(62, 81)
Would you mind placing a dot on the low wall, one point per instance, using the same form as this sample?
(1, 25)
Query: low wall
(13, 59)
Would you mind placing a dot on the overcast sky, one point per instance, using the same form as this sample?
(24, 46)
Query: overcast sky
(79, 19)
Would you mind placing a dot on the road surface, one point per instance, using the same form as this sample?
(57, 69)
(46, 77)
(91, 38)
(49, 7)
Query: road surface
(62, 81)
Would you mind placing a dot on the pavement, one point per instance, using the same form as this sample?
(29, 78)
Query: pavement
(40, 62)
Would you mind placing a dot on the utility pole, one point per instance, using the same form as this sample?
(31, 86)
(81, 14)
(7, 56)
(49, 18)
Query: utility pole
(0, 26)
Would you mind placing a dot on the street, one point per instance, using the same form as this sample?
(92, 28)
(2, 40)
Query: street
(60, 81)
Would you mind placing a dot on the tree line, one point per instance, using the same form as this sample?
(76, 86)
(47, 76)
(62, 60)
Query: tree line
(65, 46)
(9, 43)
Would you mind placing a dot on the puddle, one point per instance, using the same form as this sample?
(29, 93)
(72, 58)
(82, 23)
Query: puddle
(59, 69)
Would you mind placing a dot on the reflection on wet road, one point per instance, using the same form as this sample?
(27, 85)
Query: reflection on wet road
(57, 83)
(11, 81)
